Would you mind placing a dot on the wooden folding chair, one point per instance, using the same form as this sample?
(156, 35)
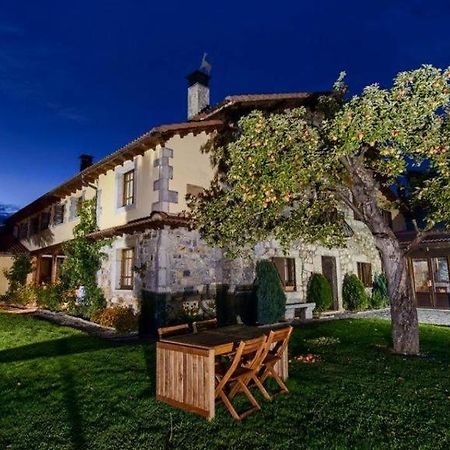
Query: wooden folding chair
(238, 375)
(174, 330)
(279, 339)
(255, 365)
(203, 325)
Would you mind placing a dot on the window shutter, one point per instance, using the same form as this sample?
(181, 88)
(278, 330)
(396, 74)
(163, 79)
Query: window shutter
(279, 265)
(74, 202)
(365, 273)
(99, 203)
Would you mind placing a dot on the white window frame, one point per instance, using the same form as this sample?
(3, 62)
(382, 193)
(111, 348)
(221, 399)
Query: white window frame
(119, 174)
(64, 204)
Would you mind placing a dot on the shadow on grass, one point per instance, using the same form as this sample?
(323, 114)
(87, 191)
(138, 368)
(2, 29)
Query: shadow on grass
(150, 365)
(55, 347)
(71, 401)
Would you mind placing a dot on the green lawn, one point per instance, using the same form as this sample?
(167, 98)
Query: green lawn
(60, 389)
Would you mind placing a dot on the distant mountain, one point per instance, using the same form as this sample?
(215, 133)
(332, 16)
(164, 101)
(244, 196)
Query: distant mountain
(6, 211)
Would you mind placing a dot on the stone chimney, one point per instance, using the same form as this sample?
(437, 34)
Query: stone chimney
(198, 91)
(85, 161)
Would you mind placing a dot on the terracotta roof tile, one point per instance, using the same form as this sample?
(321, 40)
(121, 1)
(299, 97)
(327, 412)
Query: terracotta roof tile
(257, 100)
(154, 221)
(156, 136)
(433, 237)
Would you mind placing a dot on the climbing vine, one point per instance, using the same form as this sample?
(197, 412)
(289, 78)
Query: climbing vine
(84, 256)
(18, 273)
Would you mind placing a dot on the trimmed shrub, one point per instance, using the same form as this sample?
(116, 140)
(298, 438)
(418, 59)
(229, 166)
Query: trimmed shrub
(271, 298)
(319, 292)
(122, 318)
(354, 294)
(380, 294)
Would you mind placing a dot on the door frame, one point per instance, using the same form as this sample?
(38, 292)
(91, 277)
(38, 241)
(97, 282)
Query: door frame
(334, 282)
(428, 256)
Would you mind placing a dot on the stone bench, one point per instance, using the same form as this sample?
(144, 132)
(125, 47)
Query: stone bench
(301, 310)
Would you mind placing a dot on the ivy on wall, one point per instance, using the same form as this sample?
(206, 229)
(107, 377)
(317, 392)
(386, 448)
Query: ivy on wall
(84, 257)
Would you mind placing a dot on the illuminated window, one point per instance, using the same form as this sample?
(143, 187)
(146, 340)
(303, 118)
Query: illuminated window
(128, 188)
(126, 268)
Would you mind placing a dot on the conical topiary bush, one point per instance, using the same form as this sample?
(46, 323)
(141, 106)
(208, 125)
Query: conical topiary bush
(271, 299)
(320, 292)
(354, 294)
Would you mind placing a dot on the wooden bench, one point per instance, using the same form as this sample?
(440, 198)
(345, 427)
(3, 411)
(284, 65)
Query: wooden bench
(301, 310)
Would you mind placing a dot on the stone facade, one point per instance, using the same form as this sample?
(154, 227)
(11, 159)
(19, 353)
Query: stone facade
(179, 263)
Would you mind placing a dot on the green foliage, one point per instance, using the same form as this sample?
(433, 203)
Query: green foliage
(23, 295)
(354, 294)
(271, 299)
(49, 296)
(380, 294)
(83, 260)
(283, 174)
(122, 318)
(18, 273)
(320, 292)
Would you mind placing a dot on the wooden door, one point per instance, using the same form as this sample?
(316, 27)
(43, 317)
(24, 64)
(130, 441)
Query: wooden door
(329, 272)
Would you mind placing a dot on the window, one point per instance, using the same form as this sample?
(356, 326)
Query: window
(286, 270)
(58, 213)
(126, 268)
(59, 262)
(23, 230)
(45, 220)
(128, 188)
(75, 207)
(192, 189)
(78, 206)
(387, 216)
(34, 225)
(365, 273)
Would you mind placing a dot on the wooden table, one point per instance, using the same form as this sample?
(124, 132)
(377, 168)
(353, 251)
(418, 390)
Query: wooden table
(185, 375)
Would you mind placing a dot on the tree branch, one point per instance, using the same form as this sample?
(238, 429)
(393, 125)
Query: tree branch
(420, 236)
(349, 203)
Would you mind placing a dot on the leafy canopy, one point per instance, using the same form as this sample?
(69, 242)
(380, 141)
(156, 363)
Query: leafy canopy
(282, 174)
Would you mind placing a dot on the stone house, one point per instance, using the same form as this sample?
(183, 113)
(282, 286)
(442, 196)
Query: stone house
(140, 192)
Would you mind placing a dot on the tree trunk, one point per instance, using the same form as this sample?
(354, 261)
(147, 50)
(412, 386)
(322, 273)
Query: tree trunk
(405, 329)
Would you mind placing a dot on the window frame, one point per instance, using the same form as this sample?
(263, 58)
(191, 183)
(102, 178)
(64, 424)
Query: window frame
(128, 194)
(59, 212)
(35, 225)
(365, 275)
(387, 217)
(288, 280)
(126, 275)
(44, 221)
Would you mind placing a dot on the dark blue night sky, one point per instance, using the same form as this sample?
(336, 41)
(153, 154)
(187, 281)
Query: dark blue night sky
(89, 76)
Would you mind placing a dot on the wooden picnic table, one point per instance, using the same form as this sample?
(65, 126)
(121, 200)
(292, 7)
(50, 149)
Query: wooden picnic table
(185, 376)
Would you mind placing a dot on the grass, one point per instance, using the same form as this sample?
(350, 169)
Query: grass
(61, 389)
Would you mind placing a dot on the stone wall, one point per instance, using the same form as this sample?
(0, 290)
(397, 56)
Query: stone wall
(179, 263)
